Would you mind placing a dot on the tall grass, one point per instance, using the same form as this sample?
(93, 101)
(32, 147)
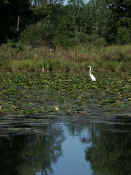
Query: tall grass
(42, 59)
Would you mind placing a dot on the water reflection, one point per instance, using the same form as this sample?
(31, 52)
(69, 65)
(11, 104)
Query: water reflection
(28, 154)
(110, 153)
(82, 147)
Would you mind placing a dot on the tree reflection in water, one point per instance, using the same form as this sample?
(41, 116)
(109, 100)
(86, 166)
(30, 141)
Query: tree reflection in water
(106, 148)
(29, 154)
(108, 145)
(110, 152)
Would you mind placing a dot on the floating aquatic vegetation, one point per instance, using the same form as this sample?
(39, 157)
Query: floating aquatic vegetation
(67, 93)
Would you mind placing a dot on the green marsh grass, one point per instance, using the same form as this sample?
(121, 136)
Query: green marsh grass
(25, 58)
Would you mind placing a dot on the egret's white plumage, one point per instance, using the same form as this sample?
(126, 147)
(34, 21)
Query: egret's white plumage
(91, 75)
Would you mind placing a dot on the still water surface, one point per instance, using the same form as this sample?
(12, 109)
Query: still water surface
(84, 147)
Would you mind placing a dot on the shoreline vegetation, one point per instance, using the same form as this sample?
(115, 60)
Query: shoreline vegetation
(55, 36)
(23, 58)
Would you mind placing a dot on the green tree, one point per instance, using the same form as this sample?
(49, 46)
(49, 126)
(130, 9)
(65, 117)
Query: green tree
(120, 11)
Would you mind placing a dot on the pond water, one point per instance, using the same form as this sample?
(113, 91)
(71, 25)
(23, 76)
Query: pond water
(86, 147)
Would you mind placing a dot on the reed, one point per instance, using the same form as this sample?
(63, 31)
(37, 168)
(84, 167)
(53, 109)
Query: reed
(25, 58)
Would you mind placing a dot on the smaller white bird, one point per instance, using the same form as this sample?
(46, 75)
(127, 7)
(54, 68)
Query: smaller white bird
(91, 75)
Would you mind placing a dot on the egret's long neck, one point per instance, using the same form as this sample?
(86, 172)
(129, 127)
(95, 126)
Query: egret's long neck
(90, 69)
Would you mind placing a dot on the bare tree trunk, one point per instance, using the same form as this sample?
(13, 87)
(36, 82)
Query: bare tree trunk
(18, 24)
(35, 2)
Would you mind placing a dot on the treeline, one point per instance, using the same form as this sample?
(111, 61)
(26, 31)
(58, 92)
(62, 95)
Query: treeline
(65, 23)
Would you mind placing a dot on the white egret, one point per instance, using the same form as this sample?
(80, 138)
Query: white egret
(91, 75)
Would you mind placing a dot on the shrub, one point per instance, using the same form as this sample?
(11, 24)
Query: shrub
(38, 34)
(123, 36)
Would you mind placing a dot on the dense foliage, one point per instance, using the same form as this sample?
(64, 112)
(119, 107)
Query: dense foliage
(65, 23)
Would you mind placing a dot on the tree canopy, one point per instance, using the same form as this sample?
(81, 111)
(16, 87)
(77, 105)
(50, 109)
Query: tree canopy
(66, 22)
